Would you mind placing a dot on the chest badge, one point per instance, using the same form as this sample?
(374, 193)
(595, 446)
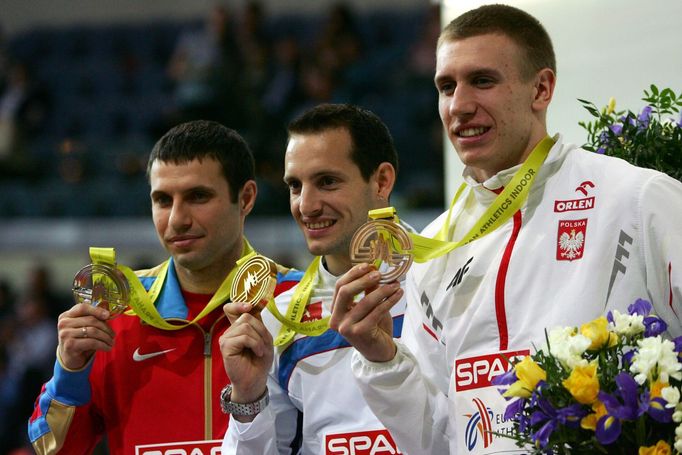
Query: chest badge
(571, 239)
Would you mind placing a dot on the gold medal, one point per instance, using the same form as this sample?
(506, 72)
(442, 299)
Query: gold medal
(102, 285)
(255, 282)
(384, 244)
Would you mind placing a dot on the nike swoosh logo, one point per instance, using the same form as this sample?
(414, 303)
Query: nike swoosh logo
(140, 357)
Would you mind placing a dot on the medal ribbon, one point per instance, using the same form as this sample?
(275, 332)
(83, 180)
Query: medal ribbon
(291, 322)
(142, 301)
(508, 202)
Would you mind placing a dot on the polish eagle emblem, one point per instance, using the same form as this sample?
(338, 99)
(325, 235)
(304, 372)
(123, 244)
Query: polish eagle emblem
(571, 244)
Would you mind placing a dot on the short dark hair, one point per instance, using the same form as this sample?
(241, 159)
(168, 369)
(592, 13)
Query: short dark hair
(372, 143)
(522, 28)
(201, 139)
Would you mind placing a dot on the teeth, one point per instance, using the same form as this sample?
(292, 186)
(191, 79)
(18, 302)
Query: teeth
(471, 132)
(320, 225)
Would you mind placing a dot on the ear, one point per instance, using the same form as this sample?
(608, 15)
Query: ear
(545, 81)
(247, 197)
(384, 179)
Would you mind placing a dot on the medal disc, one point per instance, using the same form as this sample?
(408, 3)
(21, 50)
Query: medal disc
(102, 285)
(255, 282)
(385, 244)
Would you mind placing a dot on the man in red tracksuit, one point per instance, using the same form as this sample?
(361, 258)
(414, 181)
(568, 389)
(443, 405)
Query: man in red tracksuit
(152, 386)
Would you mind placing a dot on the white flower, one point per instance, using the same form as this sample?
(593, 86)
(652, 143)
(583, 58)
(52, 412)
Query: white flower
(626, 324)
(655, 358)
(678, 438)
(671, 395)
(677, 415)
(568, 346)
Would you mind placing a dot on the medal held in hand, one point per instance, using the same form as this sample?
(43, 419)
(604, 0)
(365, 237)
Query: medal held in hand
(255, 282)
(383, 242)
(102, 285)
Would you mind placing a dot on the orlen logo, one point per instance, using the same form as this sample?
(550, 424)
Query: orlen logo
(477, 372)
(361, 443)
(574, 204)
(181, 448)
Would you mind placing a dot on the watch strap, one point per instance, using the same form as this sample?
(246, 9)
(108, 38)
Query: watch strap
(242, 409)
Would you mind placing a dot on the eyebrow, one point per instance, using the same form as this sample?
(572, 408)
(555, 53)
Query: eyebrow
(469, 75)
(316, 175)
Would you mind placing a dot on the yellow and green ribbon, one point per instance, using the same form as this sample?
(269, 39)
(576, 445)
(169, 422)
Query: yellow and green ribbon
(508, 202)
(142, 301)
(291, 322)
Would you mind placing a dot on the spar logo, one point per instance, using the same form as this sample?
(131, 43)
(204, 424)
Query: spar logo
(181, 448)
(477, 372)
(377, 442)
(479, 424)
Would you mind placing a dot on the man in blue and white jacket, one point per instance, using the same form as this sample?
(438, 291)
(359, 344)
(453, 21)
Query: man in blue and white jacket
(340, 163)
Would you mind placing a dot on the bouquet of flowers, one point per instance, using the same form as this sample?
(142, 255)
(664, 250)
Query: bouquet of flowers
(651, 138)
(610, 386)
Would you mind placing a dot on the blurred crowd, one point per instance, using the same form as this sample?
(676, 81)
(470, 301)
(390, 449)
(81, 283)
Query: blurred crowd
(28, 340)
(81, 106)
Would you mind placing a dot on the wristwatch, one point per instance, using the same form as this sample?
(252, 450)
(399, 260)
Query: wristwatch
(242, 409)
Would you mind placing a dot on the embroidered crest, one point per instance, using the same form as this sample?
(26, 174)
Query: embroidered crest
(571, 240)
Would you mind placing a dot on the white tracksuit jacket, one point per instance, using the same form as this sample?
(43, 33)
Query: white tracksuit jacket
(313, 375)
(595, 234)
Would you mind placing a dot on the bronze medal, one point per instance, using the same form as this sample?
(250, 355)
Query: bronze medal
(385, 244)
(255, 282)
(102, 285)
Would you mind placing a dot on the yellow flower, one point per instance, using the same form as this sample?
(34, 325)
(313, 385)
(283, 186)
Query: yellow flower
(656, 389)
(612, 106)
(583, 383)
(529, 374)
(661, 448)
(589, 422)
(597, 331)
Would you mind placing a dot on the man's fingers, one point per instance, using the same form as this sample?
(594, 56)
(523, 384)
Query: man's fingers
(233, 310)
(352, 283)
(244, 335)
(84, 309)
(379, 301)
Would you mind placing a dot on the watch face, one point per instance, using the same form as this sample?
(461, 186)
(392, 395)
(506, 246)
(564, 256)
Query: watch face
(384, 244)
(255, 282)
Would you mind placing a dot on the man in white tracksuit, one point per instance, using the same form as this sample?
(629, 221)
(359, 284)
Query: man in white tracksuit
(339, 164)
(594, 234)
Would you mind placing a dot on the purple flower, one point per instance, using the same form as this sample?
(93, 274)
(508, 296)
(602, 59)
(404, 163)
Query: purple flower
(617, 129)
(626, 360)
(653, 326)
(608, 429)
(641, 307)
(679, 122)
(550, 418)
(645, 116)
(659, 412)
(514, 408)
(507, 378)
(678, 344)
(624, 404)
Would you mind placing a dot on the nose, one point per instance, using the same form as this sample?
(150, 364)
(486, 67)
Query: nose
(462, 102)
(309, 201)
(179, 217)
